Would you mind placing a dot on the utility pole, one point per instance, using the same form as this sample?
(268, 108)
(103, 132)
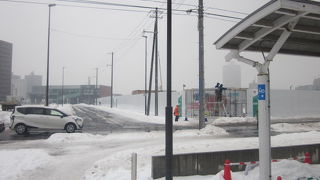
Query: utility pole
(151, 72)
(169, 141)
(62, 86)
(111, 97)
(156, 68)
(97, 86)
(111, 103)
(201, 66)
(48, 56)
(145, 74)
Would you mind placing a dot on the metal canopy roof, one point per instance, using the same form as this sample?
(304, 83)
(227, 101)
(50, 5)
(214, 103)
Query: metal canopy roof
(261, 29)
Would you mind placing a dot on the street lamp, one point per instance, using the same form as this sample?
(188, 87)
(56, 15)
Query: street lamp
(145, 75)
(62, 85)
(48, 55)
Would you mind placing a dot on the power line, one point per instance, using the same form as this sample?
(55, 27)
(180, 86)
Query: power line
(25, 2)
(107, 3)
(90, 36)
(124, 5)
(104, 8)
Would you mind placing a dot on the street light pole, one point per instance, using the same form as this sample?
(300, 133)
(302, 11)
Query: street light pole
(97, 86)
(169, 141)
(111, 97)
(48, 56)
(62, 86)
(145, 75)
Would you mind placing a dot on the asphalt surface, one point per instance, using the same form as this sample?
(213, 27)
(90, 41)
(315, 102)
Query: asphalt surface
(98, 121)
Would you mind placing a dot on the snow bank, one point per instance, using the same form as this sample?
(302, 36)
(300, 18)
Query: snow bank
(285, 127)
(287, 169)
(138, 116)
(234, 120)
(16, 163)
(5, 116)
(209, 130)
(67, 108)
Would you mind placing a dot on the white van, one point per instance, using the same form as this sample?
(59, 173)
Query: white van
(25, 118)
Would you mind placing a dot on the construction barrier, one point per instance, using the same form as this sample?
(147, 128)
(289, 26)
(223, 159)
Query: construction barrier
(227, 170)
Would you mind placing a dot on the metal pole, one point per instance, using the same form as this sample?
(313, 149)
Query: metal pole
(264, 127)
(145, 74)
(156, 67)
(201, 66)
(134, 166)
(62, 86)
(111, 99)
(169, 143)
(96, 86)
(48, 56)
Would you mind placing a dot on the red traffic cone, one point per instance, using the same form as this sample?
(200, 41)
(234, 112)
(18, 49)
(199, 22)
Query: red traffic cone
(227, 171)
(279, 178)
(307, 158)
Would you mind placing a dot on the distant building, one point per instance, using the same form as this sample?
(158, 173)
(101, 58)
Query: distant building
(22, 88)
(5, 69)
(231, 76)
(311, 87)
(73, 94)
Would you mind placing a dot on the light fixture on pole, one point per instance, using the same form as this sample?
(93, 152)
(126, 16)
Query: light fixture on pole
(48, 56)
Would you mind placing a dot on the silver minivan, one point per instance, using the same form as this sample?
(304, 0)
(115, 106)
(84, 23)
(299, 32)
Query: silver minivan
(25, 118)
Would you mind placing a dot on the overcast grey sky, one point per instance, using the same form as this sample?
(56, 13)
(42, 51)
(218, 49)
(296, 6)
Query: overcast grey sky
(82, 39)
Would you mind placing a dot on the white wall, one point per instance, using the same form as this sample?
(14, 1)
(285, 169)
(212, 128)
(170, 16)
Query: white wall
(136, 102)
(291, 103)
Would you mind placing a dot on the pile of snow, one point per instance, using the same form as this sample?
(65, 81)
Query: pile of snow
(287, 169)
(209, 130)
(67, 108)
(234, 120)
(138, 116)
(15, 164)
(5, 117)
(301, 127)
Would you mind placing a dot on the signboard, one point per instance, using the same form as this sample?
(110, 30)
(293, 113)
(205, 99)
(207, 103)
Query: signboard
(261, 92)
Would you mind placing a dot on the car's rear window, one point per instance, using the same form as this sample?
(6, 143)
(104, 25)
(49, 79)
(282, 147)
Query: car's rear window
(21, 110)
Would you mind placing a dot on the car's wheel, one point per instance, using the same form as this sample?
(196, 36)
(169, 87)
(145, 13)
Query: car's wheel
(70, 128)
(21, 129)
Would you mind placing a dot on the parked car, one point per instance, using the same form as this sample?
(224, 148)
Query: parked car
(25, 118)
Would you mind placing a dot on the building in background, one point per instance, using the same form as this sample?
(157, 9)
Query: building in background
(5, 69)
(231, 75)
(73, 94)
(22, 88)
(315, 86)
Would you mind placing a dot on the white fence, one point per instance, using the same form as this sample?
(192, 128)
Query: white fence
(290, 103)
(284, 103)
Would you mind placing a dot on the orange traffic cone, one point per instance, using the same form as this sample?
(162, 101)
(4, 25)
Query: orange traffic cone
(227, 171)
